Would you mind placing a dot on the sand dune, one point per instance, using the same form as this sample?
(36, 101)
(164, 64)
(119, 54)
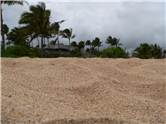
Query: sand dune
(83, 91)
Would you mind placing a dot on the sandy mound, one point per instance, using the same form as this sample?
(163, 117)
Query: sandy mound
(83, 91)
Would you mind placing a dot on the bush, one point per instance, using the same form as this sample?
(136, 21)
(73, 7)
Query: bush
(20, 51)
(114, 52)
(35, 52)
(156, 51)
(146, 51)
(76, 53)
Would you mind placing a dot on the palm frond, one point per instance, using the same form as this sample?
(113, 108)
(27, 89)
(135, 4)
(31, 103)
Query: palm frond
(13, 2)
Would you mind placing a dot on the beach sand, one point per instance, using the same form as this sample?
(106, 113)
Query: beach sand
(83, 91)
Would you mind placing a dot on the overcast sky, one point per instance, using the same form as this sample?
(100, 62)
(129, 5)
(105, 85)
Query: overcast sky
(132, 22)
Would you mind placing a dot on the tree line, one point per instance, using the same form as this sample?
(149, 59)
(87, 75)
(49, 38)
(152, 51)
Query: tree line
(35, 26)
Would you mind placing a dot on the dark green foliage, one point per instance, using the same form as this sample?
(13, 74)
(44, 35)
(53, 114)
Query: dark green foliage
(146, 51)
(3, 32)
(34, 52)
(88, 43)
(17, 36)
(74, 44)
(156, 51)
(96, 43)
(114, 52)
(109, 40)
(16, 51)
(81, 44)
(113, 41)
(5, 29)
(164, 53)
(76, 53)
(37, 21)
(12, 2)
(20, 51)
(68, 33)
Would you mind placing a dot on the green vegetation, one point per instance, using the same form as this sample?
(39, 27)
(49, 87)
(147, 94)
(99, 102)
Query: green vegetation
(20, 51)
(114, 52)
(32, 38)
(67, 33)
(113, 41)
(6, 2)
(146, 51)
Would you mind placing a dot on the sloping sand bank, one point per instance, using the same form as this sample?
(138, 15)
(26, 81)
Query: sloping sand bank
(83, 91)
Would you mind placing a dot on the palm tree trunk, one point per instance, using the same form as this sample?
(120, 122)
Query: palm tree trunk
(48, 41)
(90, 49)
(41, 42)
(38, 41)
(31, 40)
(69, 43)
(2, 33)
(32, 44)
(58, 41)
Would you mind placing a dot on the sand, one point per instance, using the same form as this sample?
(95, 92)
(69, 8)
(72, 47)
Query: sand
(83, 91)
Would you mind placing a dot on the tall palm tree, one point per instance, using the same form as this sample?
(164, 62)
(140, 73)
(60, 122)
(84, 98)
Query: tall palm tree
(74, 44)
(96, 43)
(89, 43)
(17, 36)
(68, 33)
(55, 30)
(5, 29)
(113, 41)
(116, 42)
(37, 21)
(164, 53)
(7, 2)
(81, 45)
(109, 40)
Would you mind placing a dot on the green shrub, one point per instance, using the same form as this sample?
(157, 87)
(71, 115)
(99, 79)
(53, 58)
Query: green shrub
(20, 51)
(114, 52)
(76, 53)
(35, 52)
(146, 51)
(16, 51)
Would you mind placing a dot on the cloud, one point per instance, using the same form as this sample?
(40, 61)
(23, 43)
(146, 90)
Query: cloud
(132, 22)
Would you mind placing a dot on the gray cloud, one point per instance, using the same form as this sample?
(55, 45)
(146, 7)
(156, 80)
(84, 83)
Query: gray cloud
(132, 22)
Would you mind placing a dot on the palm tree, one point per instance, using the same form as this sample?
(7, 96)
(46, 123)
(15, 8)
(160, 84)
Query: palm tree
(68, 33)
(116, 42)
(96, 43)
(37, 22)
(81, 45)
(88, 43)
(113, 41)
(17, 36)
(144, 50)
(109, 40)
(6, 2)
(55, 30)
(156, 51)
(164, 53)
(74, 44)
(5, 29)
